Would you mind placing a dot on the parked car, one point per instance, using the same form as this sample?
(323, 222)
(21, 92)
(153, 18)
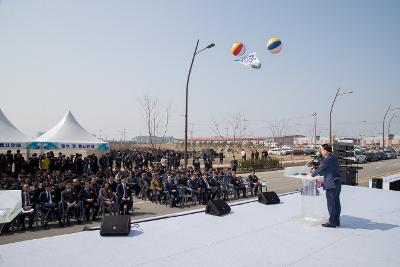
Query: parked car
(358, 157)
(279, 151)
(390, 153)
(371, 156)
(309, 151)
(381, 155)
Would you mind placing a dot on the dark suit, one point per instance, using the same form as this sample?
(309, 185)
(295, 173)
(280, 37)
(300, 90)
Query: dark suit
(69, 197)
(49, 206)
(254, 184)
(329, 168)
(124, 192)
(27, 201)
(84, 196)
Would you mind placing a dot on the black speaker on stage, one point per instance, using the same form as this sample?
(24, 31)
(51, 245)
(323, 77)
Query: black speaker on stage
(217, 207)
(268, 198)
(115, 225)
(377, 183)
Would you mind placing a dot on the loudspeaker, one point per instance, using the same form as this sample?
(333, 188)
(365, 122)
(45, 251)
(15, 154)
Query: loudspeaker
(377, 183)
(115, 225)
(268, 198)
(217, 207)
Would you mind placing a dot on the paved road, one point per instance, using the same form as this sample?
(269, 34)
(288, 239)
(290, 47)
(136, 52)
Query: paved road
(277, 182)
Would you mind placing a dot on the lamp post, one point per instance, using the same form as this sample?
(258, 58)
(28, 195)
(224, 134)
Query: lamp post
(315, 129)
(338, 93)
(358, 133)
(383, 124)
(187, 96)
(390, 122)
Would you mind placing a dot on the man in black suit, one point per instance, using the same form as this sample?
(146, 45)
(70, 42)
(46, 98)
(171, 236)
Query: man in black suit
(89, 202)
(69, 199)
(254, 183)
(49, 206)
(27, 206)
(124, 196)
(113, 184)
(238, 185)
(171, 190)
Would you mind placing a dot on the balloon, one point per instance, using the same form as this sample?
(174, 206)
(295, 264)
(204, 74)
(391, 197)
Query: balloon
(274, 45)
(238, 49)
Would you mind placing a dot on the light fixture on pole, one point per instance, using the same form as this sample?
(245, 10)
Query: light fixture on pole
(338, 93)
(315, 129)
(390, 122)
(383, 124)
(187, 96)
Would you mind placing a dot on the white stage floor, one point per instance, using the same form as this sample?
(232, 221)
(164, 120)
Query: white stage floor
(252, 235)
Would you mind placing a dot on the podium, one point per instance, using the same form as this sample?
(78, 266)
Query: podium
(313, 202)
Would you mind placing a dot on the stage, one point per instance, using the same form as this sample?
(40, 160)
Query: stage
(251, 235)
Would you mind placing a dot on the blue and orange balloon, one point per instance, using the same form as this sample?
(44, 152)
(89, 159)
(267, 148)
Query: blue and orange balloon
(274, 45)
(238, 49)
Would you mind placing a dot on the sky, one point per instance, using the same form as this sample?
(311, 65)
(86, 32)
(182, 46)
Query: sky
(100, 58)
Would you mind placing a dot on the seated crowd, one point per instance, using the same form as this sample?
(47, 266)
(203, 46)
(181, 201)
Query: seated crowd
(63, 188)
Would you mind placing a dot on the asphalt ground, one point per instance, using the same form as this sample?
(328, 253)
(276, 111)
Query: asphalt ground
(145, 209)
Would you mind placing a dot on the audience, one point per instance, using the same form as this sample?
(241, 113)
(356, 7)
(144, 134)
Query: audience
(61, 188)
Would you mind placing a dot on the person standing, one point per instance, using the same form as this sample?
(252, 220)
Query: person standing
(329, 168)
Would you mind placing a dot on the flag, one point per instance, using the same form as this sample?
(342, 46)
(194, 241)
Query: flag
(250, 60)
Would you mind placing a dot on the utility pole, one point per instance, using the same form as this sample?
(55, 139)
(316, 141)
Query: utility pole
(244, 127)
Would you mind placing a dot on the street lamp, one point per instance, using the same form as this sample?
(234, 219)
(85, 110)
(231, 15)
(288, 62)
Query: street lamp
(383, 124)
(338, 93)
(390, 122)
(187, 95)
(358, 135)
(315, 128)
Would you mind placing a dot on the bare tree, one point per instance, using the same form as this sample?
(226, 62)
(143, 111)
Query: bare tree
(156, 122)
(234, 124)
(278, 128)
(215, 127)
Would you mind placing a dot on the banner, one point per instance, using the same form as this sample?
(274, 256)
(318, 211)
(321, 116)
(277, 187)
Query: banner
(78, 146)
(250, 60)
(11, 145)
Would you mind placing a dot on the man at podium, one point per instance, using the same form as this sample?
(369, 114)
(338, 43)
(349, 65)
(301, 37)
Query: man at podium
(329, 168)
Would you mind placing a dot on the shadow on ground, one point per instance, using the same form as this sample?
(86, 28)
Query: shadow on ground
(352, 222)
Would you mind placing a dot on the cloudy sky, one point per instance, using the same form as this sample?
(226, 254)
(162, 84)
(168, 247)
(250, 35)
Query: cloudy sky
(99, 58)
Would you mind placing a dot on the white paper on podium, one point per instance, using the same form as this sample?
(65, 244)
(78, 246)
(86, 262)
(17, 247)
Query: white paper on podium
(10, 205)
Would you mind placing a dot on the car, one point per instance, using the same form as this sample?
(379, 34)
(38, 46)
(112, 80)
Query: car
(371, 156)
(381, 155)
(309, 151)
(390, 153)
(358, 157)
(279, 151)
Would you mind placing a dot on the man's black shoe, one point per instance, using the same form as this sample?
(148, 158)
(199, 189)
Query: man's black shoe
(329, 225)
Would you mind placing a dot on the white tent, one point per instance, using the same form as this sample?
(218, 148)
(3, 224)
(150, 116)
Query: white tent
(10, 136)
(69, 134)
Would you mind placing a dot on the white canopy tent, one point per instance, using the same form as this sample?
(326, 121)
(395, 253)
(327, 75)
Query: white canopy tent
(68, 134)
(10, 136)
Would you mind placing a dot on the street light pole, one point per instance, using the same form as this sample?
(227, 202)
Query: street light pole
(383, 126)
(315, 129)
(390, 122)
(338, 93)
(330, 116)
(187, 97)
